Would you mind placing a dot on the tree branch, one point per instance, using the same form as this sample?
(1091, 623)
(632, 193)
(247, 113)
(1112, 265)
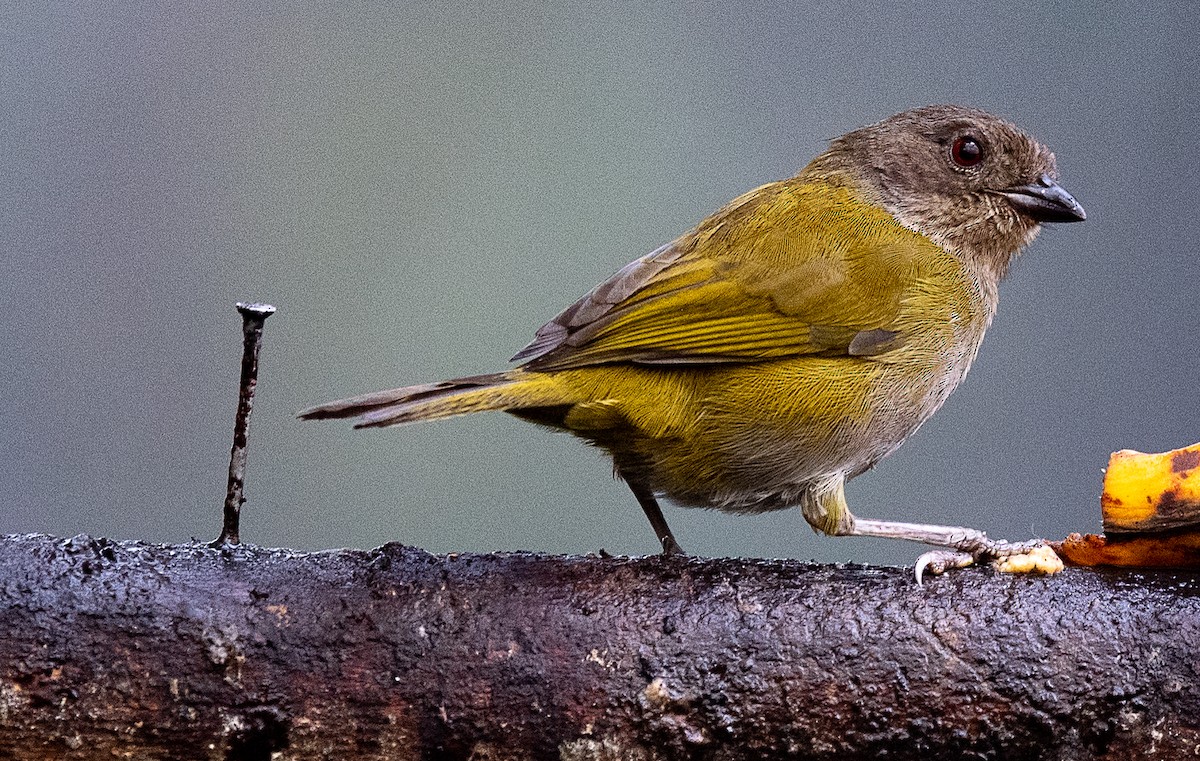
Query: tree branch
(131, 650)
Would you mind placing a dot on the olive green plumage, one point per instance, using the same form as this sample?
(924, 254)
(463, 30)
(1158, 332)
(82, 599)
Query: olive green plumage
(796, 336)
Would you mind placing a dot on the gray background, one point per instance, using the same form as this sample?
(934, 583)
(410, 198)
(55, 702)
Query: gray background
(418, 187)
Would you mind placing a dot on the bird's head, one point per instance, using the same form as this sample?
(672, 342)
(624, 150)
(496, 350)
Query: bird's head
(972, 182)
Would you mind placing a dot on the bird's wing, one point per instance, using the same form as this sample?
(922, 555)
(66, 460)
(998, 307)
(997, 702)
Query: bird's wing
(785, 270)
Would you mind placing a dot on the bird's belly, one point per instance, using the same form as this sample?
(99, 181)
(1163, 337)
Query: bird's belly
(796, 426)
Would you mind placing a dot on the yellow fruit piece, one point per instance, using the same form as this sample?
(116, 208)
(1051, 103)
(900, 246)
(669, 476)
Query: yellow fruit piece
(1039, 560)
(1152, 492)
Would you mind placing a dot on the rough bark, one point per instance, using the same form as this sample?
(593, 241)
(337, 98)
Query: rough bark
(129, 650)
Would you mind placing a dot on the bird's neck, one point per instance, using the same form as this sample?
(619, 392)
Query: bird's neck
(986, 246)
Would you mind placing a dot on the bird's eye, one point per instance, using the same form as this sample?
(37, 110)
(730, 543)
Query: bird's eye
(966, 151)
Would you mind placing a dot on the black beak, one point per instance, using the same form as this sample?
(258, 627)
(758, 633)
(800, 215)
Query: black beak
(1045, 201)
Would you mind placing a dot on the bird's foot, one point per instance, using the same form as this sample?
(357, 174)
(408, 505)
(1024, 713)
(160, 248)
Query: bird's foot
(938, 562)
(1035, 557)
(671, 548)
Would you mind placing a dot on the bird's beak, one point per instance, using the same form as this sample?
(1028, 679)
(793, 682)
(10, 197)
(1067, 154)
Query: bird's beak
(1045, 201)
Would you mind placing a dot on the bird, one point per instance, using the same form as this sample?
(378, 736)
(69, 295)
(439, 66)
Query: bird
(791, 340)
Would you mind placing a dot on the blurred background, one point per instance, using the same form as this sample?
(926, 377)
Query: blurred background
(418, 186)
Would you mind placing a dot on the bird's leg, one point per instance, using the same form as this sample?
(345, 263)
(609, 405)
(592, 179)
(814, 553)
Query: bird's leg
(826, 510)
(966, 540)
(645, 498)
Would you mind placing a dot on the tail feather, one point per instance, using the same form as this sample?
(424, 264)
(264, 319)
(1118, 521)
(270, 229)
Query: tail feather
(433, 401)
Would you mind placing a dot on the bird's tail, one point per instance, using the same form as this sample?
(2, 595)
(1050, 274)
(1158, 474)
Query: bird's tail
(513, 390)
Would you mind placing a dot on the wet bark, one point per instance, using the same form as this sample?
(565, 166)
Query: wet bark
(118, 650)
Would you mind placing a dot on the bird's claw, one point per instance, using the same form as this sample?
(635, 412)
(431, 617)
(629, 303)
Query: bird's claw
(938, 562)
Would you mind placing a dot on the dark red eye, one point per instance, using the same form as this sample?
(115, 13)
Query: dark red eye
(966, 151)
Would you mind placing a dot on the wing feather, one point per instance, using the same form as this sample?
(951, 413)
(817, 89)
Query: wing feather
(785, 270)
